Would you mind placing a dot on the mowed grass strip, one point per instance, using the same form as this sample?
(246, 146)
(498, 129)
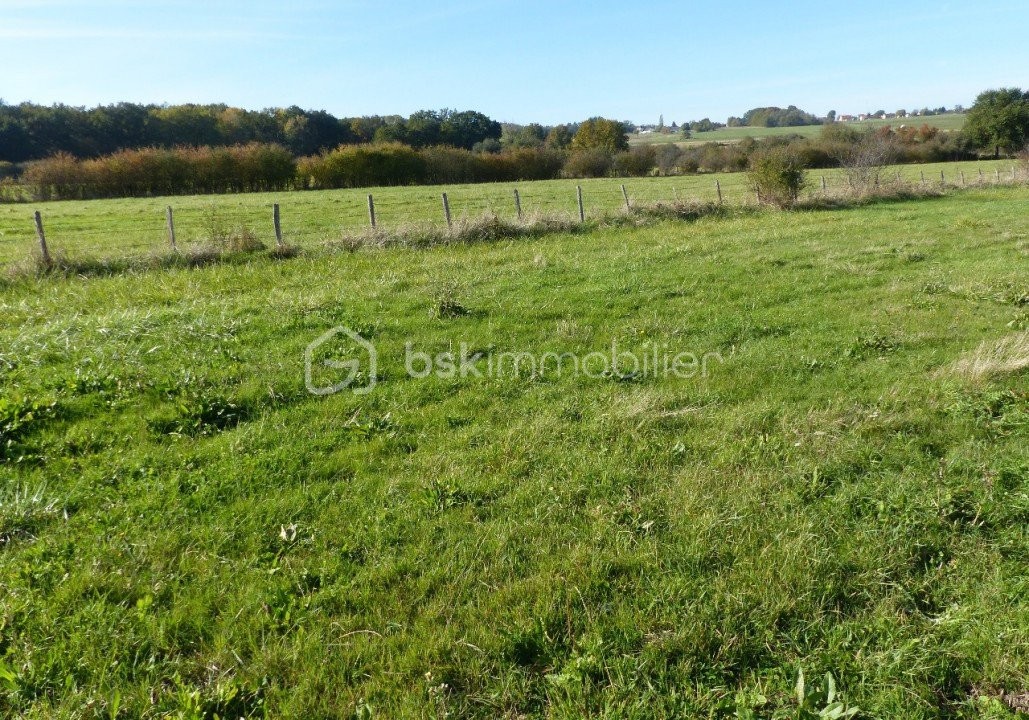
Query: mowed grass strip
(185, 531)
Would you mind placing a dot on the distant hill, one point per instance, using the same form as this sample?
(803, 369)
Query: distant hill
(948, 122)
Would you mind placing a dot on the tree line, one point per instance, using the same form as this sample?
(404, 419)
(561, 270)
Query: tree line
(33, 132)
(269, 166)
(447, 147)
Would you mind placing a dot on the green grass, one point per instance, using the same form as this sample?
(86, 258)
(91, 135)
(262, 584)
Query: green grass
(109, 229)
(185, 531)
(951, 121)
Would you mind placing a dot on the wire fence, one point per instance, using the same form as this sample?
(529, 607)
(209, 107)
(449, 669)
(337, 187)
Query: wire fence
(116, 229)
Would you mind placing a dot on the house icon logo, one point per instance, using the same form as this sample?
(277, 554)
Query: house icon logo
(340, 359)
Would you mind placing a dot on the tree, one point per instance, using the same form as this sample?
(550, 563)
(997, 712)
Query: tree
(363, 128)
(792, 116)
(601, 134)
(704, 125)
(999, 119)
(466, 129)
(831, 116)
(423, 128)
(522, 136)
(559, 137)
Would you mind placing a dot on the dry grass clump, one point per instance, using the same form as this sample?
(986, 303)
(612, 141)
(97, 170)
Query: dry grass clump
(995, 358)
(466, 231)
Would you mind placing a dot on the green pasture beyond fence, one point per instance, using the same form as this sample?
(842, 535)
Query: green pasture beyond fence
(111, 229)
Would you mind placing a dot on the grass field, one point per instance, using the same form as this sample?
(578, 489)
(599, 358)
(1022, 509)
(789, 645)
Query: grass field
(185, 531)
(118, 228)
(950, 121)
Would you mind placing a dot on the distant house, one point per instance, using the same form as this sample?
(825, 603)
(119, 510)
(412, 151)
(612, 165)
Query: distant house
(845, 118)
(864, 116)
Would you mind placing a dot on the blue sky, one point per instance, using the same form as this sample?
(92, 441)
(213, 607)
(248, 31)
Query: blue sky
(515, 60)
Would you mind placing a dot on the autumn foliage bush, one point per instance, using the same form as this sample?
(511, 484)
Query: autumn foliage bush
(397, 164)
(154, 171)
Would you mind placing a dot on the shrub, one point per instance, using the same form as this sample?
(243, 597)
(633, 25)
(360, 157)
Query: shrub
(588, 164)
(667, 158)
(777, 175)
(637, 162)
(865, 161)
(523, 164)
(350, 166)
(55, 178)
(449, 165)
(155, 171)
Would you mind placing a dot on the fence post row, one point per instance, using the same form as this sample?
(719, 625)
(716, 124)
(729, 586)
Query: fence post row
(277, 224)
(171, 230)
(446, 210)
(276, 217)
(42, 240)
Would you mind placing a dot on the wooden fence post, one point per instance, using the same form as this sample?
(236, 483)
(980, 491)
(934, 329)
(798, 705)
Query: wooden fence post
(518, 203)
(625, 196)
(980, 176)
(1012, 172)
(277, 225)
(922, 173)
(998, 174)
(446, 210)
(718, 189)
(42, 240)
(962, 173)
(943, 179)
(171, 230)
(371, 211)
(823, 183)
(582, 210)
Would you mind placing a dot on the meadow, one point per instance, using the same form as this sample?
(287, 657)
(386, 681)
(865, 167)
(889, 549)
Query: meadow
(186, 531)
(949, 121)
(108, 229)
